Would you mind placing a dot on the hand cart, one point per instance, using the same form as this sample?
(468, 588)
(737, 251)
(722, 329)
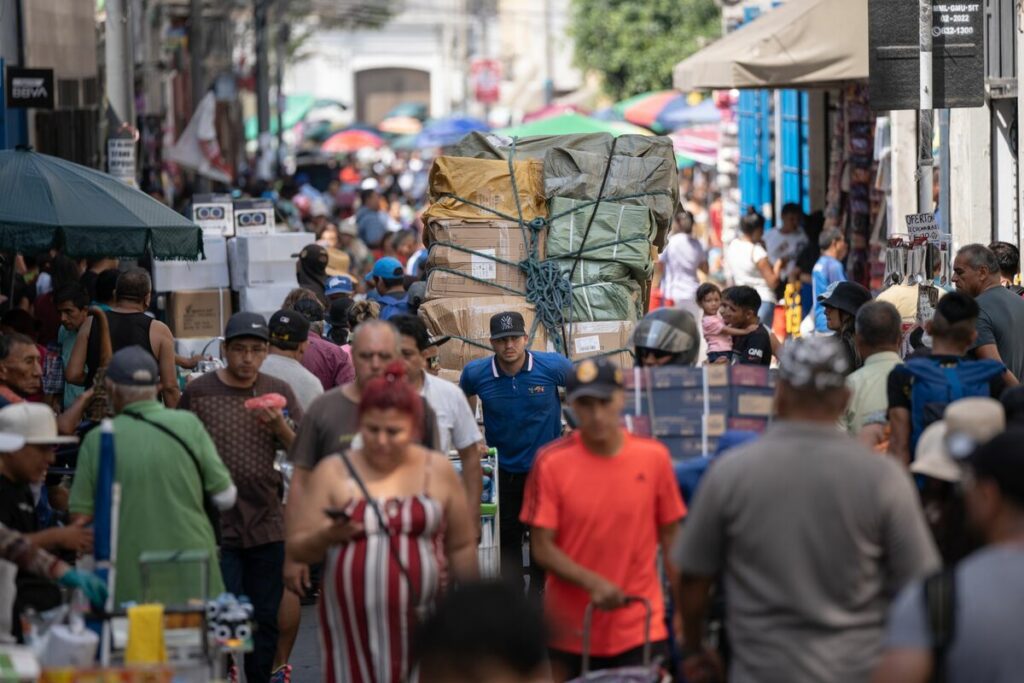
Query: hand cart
(489, 548)
(648, 672)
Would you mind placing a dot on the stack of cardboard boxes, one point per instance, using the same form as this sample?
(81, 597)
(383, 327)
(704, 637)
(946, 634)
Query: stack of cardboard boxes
(242, 254)
(472, 267)
(604, 250)
(689, 408)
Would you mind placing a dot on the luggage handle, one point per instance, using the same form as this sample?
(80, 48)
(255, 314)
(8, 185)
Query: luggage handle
(588, 616)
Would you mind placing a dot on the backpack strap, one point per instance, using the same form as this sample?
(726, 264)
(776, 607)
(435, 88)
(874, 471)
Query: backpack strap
(939, 594)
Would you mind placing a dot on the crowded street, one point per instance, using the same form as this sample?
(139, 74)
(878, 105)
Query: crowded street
(511, 341)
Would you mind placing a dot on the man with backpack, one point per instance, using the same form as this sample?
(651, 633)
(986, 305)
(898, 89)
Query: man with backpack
(964, 625)
(920, 389)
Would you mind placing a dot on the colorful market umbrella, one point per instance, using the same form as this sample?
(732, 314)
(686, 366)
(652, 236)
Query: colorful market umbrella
(401, 125)
(678, 114)
(351, 140)
(698, 144)
(553, 110)
(448, 131)
(296, 107)
(644, 109)
(567, 124)
(50, 202)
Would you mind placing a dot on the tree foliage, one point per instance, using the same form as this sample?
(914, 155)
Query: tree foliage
(634, 44)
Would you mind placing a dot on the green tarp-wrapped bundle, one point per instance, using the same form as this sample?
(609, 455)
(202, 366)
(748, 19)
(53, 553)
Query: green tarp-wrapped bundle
(619, 234)
(656, 153)
(635, 181)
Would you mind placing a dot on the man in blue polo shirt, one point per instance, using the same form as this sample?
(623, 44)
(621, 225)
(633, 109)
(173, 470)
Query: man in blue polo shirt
(522, 412)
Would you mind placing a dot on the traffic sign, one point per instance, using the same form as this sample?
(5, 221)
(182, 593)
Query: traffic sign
(958, 49)
(486, 75)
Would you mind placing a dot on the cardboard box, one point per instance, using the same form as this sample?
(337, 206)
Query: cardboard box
(751, 376)
(214, 213)
(486, 183)
(264, 300)
(257, 260)
(470, 318)
(254, 216)
(752, 401)
(613, 338)
(688, 447)
(210, 273)
(472, 247)
(202, 314)
(748, 424)
(689, 423)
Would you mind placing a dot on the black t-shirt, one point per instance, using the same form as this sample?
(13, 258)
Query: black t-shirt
(754, 348)
(17, 507)
(901, 382)
(18, 512)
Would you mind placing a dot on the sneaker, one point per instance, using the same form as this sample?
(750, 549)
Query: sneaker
(282, 675)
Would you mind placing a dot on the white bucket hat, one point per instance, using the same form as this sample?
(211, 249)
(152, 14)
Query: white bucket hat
(966, 423)
(26, 423)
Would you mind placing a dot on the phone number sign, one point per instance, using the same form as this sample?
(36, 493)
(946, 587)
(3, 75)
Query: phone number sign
(958, 54)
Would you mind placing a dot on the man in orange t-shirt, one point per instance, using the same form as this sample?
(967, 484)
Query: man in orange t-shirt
(599, 502)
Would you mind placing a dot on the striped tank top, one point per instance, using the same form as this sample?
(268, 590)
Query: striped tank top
(369, 608)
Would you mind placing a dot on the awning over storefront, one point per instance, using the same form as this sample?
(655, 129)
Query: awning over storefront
(803, 43)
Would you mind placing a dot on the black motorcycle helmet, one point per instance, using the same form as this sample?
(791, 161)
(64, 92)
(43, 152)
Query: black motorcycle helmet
(667, 336)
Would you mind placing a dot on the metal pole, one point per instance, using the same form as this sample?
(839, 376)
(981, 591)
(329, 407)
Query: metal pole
(262, 85)
(120, 62)
(549, 56)
(282, 48)
(196, 52)
(925, 161)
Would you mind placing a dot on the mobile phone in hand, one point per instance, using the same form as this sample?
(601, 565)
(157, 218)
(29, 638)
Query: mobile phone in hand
(337, 514)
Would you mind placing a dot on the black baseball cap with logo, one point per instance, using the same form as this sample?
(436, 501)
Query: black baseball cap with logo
(246, 324)
(507, 324)
(288, 329)
(594, 378)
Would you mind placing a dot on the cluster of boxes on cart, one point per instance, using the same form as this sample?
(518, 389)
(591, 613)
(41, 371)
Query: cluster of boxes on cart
(688, 409)
(248, 266)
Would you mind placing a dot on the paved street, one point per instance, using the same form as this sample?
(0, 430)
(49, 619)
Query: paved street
(306, 655)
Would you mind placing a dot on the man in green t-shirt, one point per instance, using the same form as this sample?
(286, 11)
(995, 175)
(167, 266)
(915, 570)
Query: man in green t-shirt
(162, 483)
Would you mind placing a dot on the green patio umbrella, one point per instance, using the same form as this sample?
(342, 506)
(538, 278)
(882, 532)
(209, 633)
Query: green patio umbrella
(567, 124)
(51, 202)
(295, 109)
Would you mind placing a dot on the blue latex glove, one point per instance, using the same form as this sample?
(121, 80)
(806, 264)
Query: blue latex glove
(90, 584)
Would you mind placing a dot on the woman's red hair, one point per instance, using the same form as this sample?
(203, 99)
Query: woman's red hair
(391, 391)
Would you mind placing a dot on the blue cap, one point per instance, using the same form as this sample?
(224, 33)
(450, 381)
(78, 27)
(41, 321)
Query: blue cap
(339, 284)
(388, 268)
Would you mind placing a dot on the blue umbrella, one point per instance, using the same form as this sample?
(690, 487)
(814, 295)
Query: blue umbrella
(448, 131)
(678, 114)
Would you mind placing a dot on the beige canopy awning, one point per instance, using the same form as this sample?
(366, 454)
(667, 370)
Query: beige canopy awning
(801, 44)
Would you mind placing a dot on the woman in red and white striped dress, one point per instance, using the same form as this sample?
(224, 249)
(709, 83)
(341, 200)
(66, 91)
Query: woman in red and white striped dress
(389, 518)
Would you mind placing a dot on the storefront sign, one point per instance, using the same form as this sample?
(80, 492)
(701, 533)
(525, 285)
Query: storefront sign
(121, 159)
(29, 88)
(924, 225)
(958, 54)
(486, 75)
(215, 214)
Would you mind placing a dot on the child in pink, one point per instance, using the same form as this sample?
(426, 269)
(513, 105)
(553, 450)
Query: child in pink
(717, 334)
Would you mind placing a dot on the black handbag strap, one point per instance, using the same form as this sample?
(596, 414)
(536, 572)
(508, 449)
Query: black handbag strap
(371, 502)
(181, 442)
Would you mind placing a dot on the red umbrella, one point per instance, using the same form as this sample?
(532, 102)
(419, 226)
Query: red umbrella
(351, 140)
